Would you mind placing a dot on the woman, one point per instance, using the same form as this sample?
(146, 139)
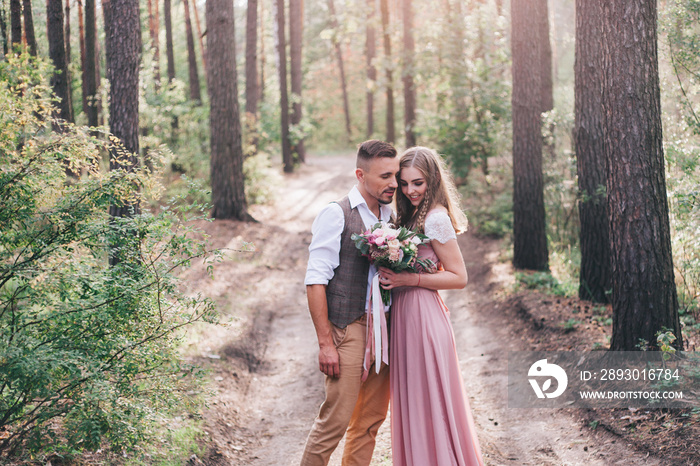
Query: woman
(431, 422)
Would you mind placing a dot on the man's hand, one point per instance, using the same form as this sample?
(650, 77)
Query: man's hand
(328, 361)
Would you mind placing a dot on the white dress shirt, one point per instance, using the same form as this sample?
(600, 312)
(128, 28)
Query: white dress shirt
(324, 250)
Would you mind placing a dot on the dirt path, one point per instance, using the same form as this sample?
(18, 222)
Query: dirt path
(267, 388)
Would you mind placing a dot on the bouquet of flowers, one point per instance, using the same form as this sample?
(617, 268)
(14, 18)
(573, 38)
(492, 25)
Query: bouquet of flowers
(395, 249)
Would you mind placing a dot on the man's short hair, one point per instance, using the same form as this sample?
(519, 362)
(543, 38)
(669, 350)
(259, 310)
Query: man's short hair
(372, 149)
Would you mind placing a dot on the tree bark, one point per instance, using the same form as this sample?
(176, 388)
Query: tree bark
(170, 54)
(284, 99)
(3, 32)
(390, 130)
(546, 57)
(251, 76)
(409, 90)
(341, 67)
(83, 56)
(643, 289)
(107, 19)
(29, 26)
(16, 22)
(66, 35)
(595, 279)
(195, 93)
(90, 75)
(154, 30)
(370, 53)
(262, 52)
(57, 52)
(228, 196)
(529, 234)
(201, 38)
(296, 34)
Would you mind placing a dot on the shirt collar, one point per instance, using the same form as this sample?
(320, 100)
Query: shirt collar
(355, 198)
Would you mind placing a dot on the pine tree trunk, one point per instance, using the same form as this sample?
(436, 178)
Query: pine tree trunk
(644, 295)
(370, 53)
(228, 196)
(107, 20)
(546, 57)
(296, 33)
(262, 52)
(123, 44)
(590, 153)
(90, 76)
(202, 49)
(154, 30)
(170, 54)
(29, 26)
(284, 99)
(16, 22)
(83, 56)
(57, 52)
(390, 130)
(529, 235)
(341, 67)
(66, 34)
(409, 90)
(3, 32)
(251, 76)
(195, 93)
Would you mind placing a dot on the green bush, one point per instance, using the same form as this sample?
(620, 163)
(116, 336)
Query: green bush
(87, 351)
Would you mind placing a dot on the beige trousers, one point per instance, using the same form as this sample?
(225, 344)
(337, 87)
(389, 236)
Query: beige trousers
(351, 405)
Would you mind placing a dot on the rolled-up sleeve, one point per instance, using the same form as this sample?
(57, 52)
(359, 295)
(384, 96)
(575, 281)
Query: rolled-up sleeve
(324, 250)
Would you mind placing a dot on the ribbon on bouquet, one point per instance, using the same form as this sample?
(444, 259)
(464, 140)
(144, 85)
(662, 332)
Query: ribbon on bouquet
(377, 333)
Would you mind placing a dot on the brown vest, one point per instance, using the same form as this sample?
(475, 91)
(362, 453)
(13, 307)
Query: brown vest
(347, 290)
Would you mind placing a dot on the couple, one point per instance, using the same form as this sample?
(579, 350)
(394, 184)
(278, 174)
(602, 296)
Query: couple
(431, 421)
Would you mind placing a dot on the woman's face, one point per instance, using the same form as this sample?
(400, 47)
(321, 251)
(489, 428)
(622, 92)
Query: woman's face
(413, 185)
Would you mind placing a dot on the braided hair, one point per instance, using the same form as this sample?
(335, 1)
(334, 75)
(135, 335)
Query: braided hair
(440, 190)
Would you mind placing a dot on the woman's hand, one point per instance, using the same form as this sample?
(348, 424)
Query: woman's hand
(389, 279)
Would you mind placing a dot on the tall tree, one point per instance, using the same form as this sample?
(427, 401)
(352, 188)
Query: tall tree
(281, 58)
(195, 93)
(169, 52)
(370, 53)
(262, 51)
(202, 49)
(409, 90)
(154, 33)
(529, 235)
(66, 34)
(228, 196)
(123, 44)
(107, 21)
(29, 26)
(545, 57)
(57, 52)
(83, 56)
(16, 22)
(296, 34)
(644, 295)
(90, 75)
(341, 67)
(251, 76)
(390, 130)
(3, 32)
(590, 153)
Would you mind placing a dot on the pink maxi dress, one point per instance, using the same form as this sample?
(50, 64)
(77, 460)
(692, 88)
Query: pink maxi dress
(431, 421)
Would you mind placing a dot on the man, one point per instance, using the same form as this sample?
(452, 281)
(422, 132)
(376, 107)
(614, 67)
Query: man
(338, 282)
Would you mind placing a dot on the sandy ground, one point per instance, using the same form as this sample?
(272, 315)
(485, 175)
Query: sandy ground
(264, 376)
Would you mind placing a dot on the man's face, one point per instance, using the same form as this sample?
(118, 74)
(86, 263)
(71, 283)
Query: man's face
(379, 178)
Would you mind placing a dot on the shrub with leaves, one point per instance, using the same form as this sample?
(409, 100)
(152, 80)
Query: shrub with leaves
(87, 351)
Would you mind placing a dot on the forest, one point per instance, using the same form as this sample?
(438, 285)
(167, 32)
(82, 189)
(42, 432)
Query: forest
(161, 164)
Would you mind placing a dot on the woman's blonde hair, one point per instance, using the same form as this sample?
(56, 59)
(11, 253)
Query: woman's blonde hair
(440, 190)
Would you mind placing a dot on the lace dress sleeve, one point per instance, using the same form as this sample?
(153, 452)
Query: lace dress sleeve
(438, 226)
